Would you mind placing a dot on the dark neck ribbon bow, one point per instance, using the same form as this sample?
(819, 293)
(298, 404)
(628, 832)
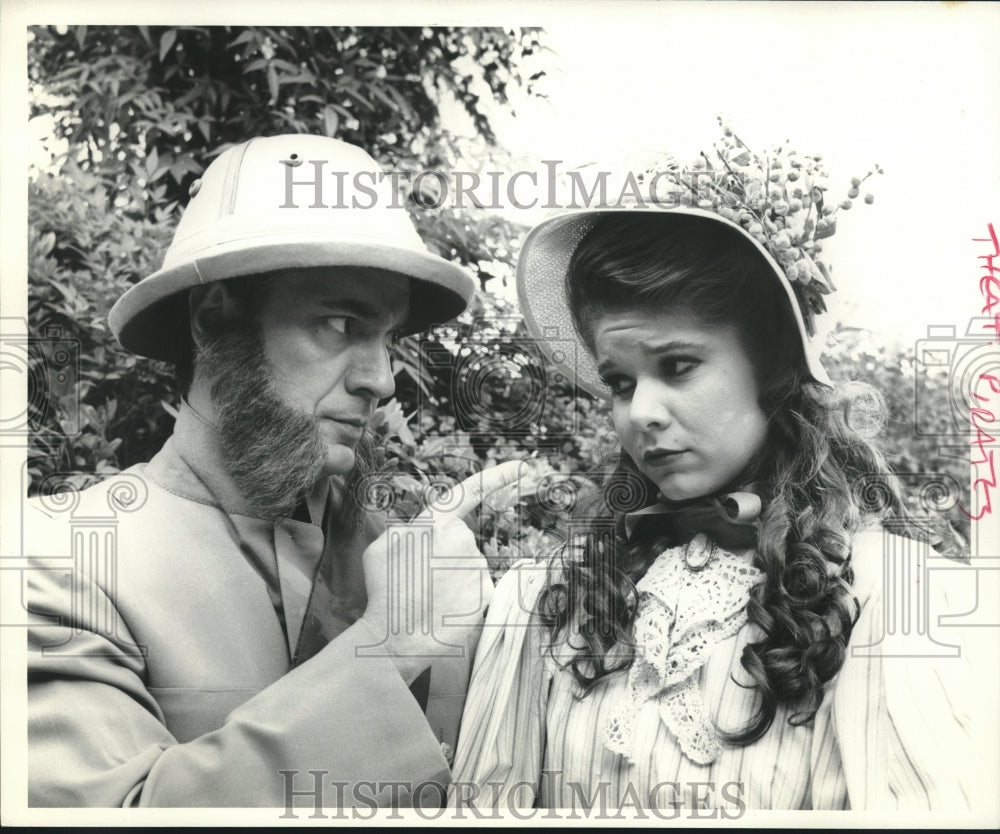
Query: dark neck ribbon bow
(731, 519)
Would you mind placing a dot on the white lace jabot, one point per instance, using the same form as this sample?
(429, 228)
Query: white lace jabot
(691, 598)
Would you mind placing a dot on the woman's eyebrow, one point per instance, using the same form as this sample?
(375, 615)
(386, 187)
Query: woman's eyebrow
(653, 349)
(670, 347)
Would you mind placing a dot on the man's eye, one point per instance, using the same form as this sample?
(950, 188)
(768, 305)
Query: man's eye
(392, 339)
(338, 323)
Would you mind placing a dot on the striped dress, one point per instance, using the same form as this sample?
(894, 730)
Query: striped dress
(892, 731)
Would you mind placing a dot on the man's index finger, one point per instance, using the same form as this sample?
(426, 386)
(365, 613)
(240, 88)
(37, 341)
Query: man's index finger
(476, 487)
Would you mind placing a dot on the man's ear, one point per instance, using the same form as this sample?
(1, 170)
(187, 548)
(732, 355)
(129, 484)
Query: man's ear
(210, 305)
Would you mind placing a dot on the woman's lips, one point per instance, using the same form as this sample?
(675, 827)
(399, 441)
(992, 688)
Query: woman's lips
(662, 457)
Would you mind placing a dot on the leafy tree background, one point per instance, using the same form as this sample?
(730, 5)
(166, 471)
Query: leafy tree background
(142, 111)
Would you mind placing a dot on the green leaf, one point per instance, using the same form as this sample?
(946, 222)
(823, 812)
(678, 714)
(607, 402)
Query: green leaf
(166, 42)
(354, 94)
(190, 95)
(247, 36)
(253, 66)
(377, 93)
(272, 84)
(330, 121)
(90, 416)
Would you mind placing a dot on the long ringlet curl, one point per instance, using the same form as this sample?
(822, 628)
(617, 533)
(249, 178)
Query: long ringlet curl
(814, 474)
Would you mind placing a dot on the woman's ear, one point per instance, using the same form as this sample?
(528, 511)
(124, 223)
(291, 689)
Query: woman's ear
(209, 305)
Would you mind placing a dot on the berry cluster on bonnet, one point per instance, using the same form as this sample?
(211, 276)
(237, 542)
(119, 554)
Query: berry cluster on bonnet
(779, 198)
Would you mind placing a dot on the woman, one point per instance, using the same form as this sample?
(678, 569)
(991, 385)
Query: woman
(711, 634)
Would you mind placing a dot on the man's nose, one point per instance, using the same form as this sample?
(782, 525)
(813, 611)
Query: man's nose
(370, 372)
(650, 407)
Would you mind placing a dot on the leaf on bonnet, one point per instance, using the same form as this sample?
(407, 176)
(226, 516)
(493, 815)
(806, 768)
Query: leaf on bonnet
(826, 231)
(826, 274)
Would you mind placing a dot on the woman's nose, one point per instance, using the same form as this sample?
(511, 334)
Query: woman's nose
(650, 407)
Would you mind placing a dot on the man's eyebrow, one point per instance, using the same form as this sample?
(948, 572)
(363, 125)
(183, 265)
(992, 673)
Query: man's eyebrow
(352, 306)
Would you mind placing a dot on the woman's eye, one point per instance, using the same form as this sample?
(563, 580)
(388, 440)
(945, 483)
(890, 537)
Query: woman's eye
(619, 385)
(677, 367)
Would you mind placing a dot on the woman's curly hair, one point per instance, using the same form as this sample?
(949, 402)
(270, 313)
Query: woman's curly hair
(818, 475)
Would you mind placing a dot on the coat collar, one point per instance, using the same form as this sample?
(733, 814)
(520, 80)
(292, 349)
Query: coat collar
(315, 598)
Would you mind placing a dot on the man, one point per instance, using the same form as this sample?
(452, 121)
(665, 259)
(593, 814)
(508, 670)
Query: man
(233, 631)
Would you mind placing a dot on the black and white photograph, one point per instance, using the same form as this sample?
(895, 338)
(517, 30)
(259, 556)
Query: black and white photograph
(511, 414)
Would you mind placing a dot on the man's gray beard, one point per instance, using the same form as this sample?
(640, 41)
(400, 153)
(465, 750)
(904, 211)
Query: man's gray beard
(274, 454)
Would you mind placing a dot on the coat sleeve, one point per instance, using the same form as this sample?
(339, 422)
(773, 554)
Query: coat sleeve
(502, 740)
(897, 732)
(333, 726)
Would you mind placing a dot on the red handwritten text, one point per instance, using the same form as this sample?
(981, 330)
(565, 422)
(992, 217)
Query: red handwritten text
(989, 287)
(989, 284)
(982, 416)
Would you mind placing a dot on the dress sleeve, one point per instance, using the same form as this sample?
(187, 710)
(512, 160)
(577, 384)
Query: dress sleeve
(501, 744)
(895, 732)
